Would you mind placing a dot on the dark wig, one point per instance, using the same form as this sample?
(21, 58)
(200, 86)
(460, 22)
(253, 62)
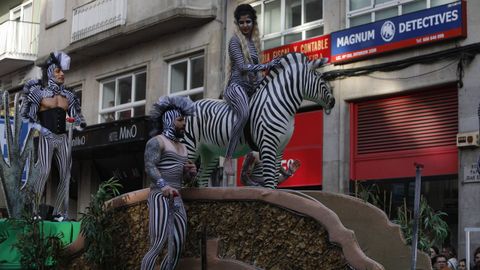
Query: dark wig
(245, 9)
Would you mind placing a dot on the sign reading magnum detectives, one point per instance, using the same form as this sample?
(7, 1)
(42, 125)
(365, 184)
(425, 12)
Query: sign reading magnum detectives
(314, 48)
(134, 129)
(421, 27)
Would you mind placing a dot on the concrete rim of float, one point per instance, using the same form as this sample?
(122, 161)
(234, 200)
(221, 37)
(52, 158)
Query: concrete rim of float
(337, 232)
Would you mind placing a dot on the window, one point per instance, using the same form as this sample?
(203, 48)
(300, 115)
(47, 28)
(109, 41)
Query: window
(286, 21)
(123, 96)
(22, 13)
(55, 11)
(366, 11)
(186, 77)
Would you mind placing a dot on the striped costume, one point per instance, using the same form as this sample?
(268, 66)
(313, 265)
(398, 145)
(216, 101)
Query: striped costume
(168, 165)
(244, 78)
(51, 122)
(165, 159)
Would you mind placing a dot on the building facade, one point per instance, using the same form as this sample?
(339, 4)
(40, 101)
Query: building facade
(403, 92)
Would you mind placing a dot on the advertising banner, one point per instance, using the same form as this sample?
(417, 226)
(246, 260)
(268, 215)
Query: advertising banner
(422, 27)
(125, 131)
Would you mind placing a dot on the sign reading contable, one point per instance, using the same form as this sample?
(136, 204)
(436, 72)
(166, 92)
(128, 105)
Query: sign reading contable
(314, 48)
(412, 29)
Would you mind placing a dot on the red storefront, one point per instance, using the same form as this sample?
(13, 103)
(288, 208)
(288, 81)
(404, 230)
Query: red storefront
(390, 134)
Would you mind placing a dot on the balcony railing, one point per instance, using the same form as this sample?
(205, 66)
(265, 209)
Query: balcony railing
(19, 40)
(97, 16)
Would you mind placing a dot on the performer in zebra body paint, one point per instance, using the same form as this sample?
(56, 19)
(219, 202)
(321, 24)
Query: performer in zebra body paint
(167, 166)
(46, 104)
(243, 75)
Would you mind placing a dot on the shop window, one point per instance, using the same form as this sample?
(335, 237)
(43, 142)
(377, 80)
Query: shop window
(440, 192)
(366, 11)
(286, 21)
(122, 97)
(186, 77)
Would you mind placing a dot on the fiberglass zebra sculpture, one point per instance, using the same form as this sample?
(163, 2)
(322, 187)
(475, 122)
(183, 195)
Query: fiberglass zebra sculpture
(271, 121)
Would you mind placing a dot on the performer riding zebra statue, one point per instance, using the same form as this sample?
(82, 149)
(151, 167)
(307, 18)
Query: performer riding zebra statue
(271, 123)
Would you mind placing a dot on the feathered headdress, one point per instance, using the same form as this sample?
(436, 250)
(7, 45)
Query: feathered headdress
(60, 59)
(184, 105)
(57, 59)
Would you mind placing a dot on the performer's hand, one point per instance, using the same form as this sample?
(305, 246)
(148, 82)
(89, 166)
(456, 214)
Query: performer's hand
(78, 128)
(294, 165)
(80, 125)
(275, 62)
(169, 192)
(190, 168)
(44, 131)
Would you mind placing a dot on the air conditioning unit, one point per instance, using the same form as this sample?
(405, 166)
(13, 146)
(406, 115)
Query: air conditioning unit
(467, 139)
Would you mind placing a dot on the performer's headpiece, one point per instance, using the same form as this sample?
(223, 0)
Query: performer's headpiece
(166, 110)
(55, 60)
(60, 59)
(245, 9)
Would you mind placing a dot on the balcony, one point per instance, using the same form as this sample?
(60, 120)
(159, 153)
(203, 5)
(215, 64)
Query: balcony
(96, 17)
(18, 45)
(103, 26)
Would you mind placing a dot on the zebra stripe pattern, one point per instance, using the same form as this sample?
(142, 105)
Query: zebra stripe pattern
(34, 93)
(161, 163)
(272, 109)
(242, 81)
(158, 229)
(49, 147)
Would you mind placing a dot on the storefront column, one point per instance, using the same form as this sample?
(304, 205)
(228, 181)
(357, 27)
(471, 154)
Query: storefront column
(468, 193)
(334, 179)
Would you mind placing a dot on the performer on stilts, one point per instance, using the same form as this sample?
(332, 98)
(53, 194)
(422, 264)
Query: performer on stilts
(167, 166)
(244, 73)
(46, 104)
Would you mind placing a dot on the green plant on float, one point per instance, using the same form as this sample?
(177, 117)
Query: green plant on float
(432, 228)
(37, 250)
(97, 226)
(374, 195)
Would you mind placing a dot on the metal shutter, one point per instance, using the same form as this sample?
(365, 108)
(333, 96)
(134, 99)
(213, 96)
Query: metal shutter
(392, 132)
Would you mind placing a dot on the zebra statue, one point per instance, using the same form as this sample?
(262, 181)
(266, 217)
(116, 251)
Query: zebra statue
(271, 122)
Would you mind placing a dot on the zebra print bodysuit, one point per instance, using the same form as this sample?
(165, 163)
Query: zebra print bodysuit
(53, 140)
(243, 80)
(164, 164)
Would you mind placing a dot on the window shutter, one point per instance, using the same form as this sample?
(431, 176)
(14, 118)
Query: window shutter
(421, 120)
(389, 135)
